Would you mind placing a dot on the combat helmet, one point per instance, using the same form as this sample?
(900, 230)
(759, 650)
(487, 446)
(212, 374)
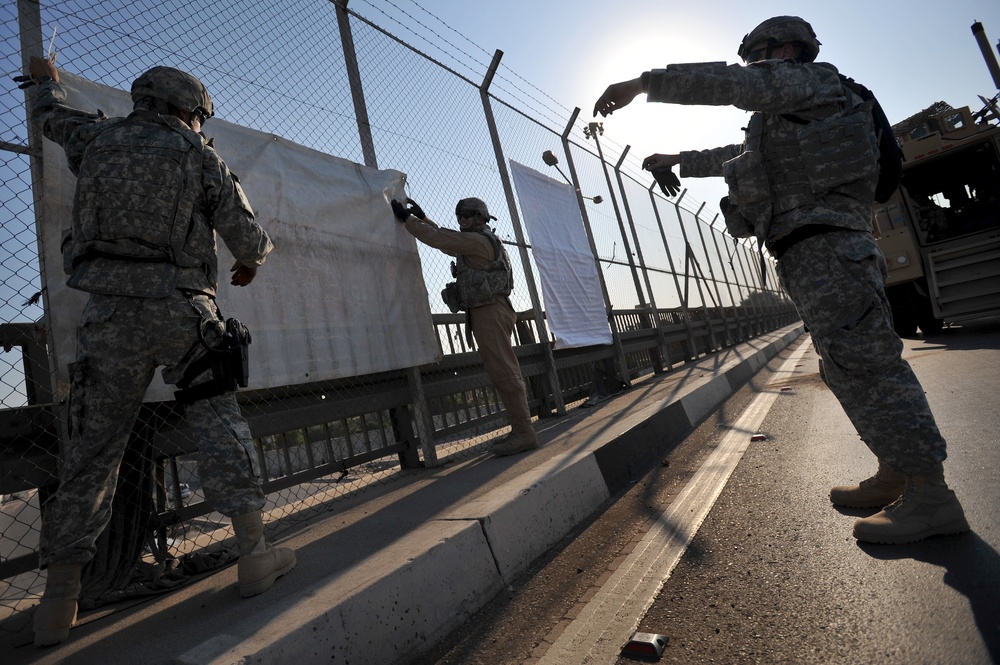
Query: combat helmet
(781, 30)
(472, 204)
(179, 89)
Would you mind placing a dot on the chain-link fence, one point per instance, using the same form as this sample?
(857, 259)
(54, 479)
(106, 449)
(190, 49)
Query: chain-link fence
(316, 73)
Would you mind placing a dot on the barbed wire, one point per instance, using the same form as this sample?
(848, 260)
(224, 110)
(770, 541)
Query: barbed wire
(559, 113)
(544, 94)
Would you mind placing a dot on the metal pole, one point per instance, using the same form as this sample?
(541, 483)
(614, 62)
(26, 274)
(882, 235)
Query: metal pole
(744, 313)
(354, 78)
(745, 285)
(421, 411)
(515, 220)
(715, 280)
(612, 323)
(658, 362)
(692, 351)
(593, 130)
(749, 274)
(689, 254)
(775, 290)
(631, 222)
(29, 20)
(729, 285)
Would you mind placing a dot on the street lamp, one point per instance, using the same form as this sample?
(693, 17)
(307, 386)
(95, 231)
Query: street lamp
(550, 159)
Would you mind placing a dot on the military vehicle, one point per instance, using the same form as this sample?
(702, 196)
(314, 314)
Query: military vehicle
(940, 231)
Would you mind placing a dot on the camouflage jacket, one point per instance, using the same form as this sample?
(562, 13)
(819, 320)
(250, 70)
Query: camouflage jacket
(774, 91)
(482, 269)
(150, 196)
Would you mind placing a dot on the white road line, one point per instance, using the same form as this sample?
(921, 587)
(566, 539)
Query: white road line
(606, 623)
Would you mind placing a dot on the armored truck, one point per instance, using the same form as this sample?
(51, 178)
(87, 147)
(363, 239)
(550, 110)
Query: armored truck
(940, 231)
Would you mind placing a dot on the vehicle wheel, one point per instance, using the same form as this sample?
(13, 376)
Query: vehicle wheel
(930, 326)
(901, 302)
(905, 325)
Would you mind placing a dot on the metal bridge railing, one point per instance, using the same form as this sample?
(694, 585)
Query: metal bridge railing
(675, 286)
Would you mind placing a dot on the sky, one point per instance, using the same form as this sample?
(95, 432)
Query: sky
(909, 53)
(563, 55)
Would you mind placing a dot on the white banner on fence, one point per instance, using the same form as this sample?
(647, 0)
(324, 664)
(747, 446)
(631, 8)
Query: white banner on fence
(341, 295)
(574, 306)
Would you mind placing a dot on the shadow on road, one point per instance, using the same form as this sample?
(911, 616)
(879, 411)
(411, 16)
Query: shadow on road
(972, 567)
(977, 334)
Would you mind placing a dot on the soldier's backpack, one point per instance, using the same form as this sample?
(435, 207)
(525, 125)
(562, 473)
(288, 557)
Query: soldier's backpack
(890, 157)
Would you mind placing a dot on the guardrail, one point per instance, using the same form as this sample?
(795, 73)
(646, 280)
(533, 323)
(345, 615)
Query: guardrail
(675, 286)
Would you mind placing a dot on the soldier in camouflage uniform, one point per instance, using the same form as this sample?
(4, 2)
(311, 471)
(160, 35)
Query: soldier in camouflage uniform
(484, 280)
(150, 196)
(809, 201)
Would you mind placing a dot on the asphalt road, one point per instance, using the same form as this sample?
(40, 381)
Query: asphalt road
(773, 575)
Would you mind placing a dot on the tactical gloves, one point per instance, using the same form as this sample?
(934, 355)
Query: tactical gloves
(669, 183)
(39, 71)
(24, 81)
(403, 213)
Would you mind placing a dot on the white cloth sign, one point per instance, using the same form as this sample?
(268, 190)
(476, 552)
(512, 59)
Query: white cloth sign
(341, 295)
(574, 306)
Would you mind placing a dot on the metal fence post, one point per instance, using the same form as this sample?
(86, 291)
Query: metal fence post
(592, 131)
(657, 360)
(734, 306)
(421, 419)
(556, 397)
(688, 256)
(737, 310)
(747, 266)
(29, 19)
(715, 280)
(421, 412)
(354, 78)
(692, 349)
(757, 273)
(612, 323)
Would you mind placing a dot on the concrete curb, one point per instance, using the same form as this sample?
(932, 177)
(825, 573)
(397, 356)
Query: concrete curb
(400, 602)
(409, 594)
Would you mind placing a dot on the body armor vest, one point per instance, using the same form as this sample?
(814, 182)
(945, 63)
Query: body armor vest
(789, 162)
(475, 287)
(137, 216)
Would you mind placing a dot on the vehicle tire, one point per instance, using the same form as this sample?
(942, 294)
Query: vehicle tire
(905, 325)
(901, 302)
(929, 324)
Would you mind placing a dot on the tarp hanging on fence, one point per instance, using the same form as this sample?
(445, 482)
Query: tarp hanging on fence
(341, 295)
(574, 305)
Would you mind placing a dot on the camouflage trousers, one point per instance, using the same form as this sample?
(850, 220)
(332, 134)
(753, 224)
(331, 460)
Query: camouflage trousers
(492, 326)
(120, 343)
(837, 281)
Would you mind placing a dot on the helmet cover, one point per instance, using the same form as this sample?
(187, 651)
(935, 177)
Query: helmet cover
(781, 30)
(473, 204)
(177, 88)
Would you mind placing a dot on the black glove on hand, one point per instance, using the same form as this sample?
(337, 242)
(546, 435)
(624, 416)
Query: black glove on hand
(403, 213)
(669, 183)
(25, 81)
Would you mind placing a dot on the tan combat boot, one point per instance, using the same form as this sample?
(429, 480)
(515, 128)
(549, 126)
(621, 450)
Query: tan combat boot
(522, 435)
(57, 612)
(880, 490)
(515, 444)
(926, 508)
(260, 564)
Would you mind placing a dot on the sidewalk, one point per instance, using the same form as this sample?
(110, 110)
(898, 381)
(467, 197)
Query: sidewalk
(382, 579)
